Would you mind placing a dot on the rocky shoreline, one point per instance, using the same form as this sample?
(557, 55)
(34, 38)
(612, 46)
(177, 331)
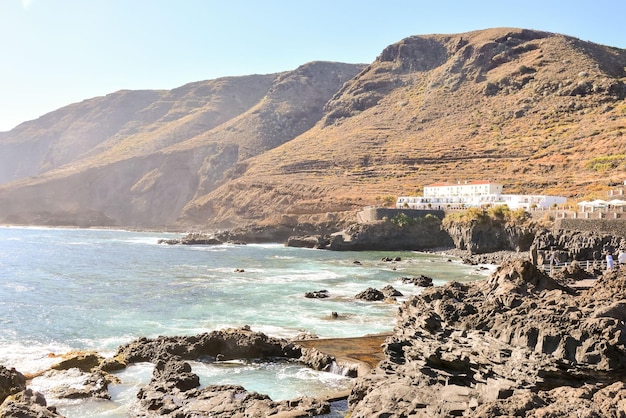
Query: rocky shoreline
(174, 390)
(520, 343)
(517, 344)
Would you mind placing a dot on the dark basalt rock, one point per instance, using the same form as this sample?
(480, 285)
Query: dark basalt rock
(386, 236)
(174, 390)
(482, 238)
(421, 281)
(370, 294)
(94, 385)
(11, 382)
(517, 344)
(192, 239)
(230, 344)
(165, 398)
(27, 404)
(571, 246)
(390, 292)
(310, 241)
(318, 294)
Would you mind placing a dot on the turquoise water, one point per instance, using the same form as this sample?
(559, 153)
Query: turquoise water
(72, 289)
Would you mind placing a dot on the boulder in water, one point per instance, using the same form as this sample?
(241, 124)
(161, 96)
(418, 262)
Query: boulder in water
(370, 294)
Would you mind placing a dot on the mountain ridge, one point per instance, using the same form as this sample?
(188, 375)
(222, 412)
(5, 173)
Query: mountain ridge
(536, 111)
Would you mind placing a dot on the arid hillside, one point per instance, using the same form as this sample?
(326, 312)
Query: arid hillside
(536, 111)
(135, 158)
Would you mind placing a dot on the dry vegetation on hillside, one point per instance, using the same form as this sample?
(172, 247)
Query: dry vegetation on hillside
(535, 111)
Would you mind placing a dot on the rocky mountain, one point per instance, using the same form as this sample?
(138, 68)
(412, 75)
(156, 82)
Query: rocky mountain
(135, 158)
(538, 112)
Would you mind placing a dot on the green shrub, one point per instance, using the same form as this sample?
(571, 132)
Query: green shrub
(431, 218)
(606, 163)
(496, 214)
(402, 220)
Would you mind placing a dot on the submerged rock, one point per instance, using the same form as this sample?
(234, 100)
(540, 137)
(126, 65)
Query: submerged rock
(318, 294)
(421, 280)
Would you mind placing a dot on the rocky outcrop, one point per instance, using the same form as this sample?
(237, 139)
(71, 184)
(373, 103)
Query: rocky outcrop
(81, 375)
(27, 404)
(391, 292)
(370, 294)
(387, 236)
(310, 241)
(317, 294)
(85, 361)
(488, 237)
(226, 344)
(514, 344)
(290, 232)
(574, 245)
(11, 382)
(174, 391)
(480, 236)
(193, 238)
(421, 280)
(79, 385)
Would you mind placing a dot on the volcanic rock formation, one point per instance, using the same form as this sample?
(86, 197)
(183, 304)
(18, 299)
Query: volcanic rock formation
(516, 344)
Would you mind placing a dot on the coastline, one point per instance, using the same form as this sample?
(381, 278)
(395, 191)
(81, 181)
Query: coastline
(363, 351)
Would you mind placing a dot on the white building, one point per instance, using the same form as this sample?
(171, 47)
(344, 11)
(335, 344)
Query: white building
(472, 188)
(473, 194)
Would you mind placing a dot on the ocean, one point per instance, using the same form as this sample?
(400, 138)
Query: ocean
(65, 290)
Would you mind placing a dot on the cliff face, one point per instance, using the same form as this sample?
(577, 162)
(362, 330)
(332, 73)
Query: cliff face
(490, 237)
(536, 111)
(387, 236)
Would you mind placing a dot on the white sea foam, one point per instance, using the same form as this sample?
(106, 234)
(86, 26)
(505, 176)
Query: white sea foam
(19, 287)
(30, 357)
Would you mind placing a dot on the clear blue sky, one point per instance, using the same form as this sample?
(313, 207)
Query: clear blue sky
(57, 52)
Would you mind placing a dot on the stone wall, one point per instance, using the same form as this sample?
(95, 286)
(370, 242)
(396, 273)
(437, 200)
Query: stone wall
(615, 227)
(372, 214)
